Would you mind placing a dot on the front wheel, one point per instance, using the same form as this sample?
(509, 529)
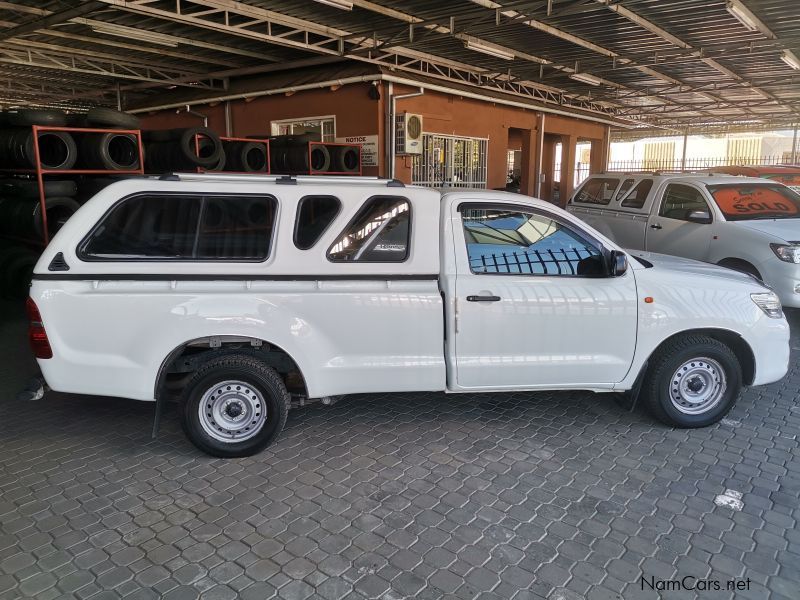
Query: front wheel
(694, 381)
(234, 406)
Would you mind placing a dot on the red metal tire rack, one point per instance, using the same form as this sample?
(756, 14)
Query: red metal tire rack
(41, 172)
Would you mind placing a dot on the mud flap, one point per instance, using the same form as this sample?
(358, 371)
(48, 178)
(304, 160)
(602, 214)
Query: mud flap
(628, 399)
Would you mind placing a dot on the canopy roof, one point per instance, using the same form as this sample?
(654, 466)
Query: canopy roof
(661, 65)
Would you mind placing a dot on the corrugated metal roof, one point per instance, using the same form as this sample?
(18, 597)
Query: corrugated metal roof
(656, 64)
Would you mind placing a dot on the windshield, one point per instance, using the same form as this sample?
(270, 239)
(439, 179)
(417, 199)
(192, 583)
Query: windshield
(750, 201)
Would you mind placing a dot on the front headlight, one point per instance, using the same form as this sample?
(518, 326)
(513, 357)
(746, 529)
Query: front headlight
(786, 252)
(769, 303)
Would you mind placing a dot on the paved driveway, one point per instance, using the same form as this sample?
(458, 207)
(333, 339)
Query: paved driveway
(515, 496)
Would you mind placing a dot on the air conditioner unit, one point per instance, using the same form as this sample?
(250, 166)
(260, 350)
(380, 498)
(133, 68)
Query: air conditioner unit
(408, 134)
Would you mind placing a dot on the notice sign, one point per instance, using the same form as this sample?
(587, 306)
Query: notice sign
(369, 147)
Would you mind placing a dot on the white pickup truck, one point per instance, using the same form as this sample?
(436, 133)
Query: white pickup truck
(745, 223)
(238, 293)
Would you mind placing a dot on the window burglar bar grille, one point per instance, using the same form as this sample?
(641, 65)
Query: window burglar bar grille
(448, 161)
(534, 262)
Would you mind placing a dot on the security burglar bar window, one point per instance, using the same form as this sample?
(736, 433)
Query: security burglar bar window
(509, 241)
(448, 161)
(324, 126)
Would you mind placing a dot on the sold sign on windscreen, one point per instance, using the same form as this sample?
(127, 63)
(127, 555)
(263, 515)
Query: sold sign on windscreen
(753, 200)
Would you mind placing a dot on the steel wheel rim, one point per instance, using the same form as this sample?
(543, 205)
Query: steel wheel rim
(697, 386)
(232, 411)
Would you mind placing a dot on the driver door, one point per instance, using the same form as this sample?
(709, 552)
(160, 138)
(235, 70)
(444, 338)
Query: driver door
(534, 306)
(671, 231)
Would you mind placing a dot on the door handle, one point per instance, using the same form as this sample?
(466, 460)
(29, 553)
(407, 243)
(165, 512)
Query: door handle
(655, 226)
(483, 298)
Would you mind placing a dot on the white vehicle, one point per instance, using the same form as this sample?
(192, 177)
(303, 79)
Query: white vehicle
(748, 224)
(239, 293)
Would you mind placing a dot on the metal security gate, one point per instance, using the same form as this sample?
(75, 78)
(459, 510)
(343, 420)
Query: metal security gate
(449, 161)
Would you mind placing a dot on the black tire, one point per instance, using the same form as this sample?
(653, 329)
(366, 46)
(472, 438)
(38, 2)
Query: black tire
(221, 163)
(110, 151)
(15, 279)
(89, 186)
(59, 210)
(57, 149)
(36, 116)
(235, 368)
(77, 120)
(345, 159)
(29, 188)
(302, 158)
(22, 217)
(108, 117)
(158, 135)
(175, 149)
(659, 385)
(740, 265)
(8, 256)
(249, 157)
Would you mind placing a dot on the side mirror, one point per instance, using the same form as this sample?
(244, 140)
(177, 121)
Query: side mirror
(699, 216)
(617, 263)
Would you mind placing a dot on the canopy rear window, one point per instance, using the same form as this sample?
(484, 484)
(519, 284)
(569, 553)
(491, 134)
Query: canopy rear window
(599, 190)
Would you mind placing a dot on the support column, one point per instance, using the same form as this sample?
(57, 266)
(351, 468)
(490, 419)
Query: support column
(548, 167)
(794, 146)
(567, 185)
(598, 155)
(528, 163)
(685, 144)
(538, 166)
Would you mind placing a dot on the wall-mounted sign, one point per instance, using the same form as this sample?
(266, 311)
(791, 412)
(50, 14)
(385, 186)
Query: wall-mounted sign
(369, 147)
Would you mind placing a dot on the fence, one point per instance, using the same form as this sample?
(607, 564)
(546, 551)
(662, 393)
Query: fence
(674, 165)
(693, 164)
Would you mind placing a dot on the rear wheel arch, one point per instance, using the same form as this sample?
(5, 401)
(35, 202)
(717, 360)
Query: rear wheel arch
(188, 356)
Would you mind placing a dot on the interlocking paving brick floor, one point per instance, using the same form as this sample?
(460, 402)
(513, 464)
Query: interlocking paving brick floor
(511, 496)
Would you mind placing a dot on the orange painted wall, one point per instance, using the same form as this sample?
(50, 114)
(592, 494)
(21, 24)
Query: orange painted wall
(357, 114)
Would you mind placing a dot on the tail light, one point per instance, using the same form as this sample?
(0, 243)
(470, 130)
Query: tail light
(37, 336)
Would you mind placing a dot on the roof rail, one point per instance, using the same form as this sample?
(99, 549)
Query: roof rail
(281, 179)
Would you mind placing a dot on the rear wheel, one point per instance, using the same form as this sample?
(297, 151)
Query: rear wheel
(694, 381)
(234, 406)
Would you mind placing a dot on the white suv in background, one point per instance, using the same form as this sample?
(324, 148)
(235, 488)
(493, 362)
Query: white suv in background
(744, 223)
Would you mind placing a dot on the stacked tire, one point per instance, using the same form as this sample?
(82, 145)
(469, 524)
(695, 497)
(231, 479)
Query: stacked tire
(63, 150)
(183, 150)
(245, 157)
(16, 267)
(297, 154)
(21, 213)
